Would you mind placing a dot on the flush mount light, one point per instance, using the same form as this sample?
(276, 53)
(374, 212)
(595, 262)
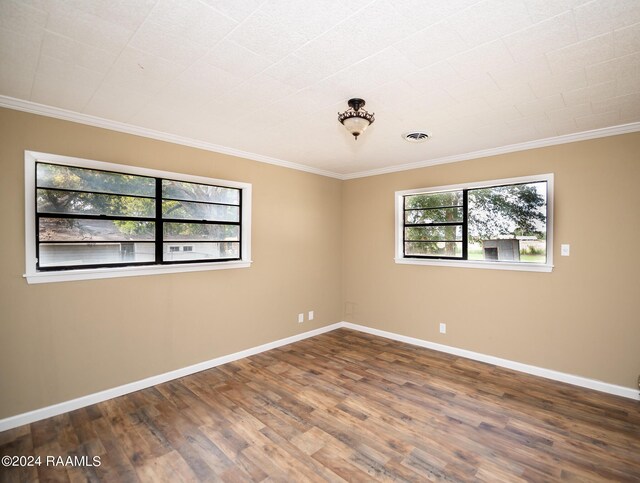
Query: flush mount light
(356, 119)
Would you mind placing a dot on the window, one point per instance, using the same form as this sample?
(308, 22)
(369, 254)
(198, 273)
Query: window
(503, 224)
(88, 219)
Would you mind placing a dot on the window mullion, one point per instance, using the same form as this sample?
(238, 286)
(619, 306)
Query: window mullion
(404, 226)
(35, 211)
(465, 224)
(240, 254)
(159, 222)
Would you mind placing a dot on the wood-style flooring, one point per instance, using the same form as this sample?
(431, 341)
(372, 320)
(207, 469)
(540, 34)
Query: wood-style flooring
(343, 406)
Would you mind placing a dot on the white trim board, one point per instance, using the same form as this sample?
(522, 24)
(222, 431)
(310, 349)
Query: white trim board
(66, 406)
(73, 404)
(594, 384)
(511, 148)
(89, 120)
(64, 114)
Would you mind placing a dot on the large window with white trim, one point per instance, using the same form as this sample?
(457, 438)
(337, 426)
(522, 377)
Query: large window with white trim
(492, 224)
(85, 216)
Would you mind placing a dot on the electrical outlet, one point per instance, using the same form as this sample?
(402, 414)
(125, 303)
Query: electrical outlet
(310, 315)
(443, 328)
(300, 318)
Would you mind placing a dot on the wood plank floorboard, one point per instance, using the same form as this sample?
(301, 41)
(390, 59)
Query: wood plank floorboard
(342, 406)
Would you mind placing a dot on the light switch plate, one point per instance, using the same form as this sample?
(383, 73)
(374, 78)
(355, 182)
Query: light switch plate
(565, 250)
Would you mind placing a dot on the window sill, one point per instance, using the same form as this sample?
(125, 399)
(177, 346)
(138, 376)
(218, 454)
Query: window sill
(95, 273)
(523, 267)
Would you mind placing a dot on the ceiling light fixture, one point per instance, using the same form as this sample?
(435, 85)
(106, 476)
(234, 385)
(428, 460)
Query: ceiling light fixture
(356, 119)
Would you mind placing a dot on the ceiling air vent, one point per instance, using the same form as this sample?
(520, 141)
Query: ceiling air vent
(416, 136)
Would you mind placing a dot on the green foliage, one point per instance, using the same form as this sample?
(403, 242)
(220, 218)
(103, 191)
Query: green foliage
(199, 192)
(433, 233)
(515, 210)
(434, 215)
(117, 195)
(130, 227)
(531, 250)
(112, 198)
(81, 179)
(434, 200)
(193, 231)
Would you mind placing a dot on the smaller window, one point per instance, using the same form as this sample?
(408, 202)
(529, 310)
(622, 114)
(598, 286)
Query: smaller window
(494, 224)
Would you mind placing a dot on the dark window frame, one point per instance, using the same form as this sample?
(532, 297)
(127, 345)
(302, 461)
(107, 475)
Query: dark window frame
(463, 224)
(158, 219)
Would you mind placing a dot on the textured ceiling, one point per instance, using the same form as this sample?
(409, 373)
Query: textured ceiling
(269, 76)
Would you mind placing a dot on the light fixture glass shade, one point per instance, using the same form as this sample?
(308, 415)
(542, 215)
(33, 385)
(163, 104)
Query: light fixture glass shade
(356, 125)
(356, 119)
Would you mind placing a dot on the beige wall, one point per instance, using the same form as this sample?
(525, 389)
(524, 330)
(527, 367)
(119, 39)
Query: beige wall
(59, 341)
(582, 319)
(325, 245)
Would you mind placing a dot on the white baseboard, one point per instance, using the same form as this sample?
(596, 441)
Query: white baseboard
(516, 366)
(73, 404)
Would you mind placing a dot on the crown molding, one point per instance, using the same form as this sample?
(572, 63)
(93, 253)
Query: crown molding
(59, 113)
(511, 148)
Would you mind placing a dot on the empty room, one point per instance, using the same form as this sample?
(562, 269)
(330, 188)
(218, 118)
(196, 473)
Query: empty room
(329, 240)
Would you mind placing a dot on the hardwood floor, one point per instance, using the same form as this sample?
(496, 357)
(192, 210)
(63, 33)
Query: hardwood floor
(343, 406)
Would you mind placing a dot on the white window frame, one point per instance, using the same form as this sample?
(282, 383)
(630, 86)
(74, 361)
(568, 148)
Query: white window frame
(32, 275)
(493, 265)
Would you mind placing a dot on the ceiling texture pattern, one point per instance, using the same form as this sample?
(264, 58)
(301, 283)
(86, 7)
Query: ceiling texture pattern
(270, 76)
